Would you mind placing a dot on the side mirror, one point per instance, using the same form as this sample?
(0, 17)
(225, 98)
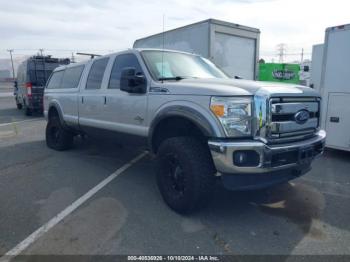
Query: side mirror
(132, 82)
(15, 84)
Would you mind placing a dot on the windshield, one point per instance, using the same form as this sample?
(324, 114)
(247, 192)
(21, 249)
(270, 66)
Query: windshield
(165, 65)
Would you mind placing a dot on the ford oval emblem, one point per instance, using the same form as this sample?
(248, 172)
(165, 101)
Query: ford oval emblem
(301, 116)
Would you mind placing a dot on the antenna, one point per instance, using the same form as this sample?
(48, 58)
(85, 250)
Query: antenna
(163, 36)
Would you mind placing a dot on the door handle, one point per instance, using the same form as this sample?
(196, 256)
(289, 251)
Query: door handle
(105, 100)
(334, 119)
(82, 100)
(139, 119)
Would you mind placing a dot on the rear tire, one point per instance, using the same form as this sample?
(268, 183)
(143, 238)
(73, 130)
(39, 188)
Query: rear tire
(57, 137)
(185, 173)
(19, 106)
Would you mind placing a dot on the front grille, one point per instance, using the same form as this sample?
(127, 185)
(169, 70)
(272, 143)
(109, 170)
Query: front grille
(282, 123)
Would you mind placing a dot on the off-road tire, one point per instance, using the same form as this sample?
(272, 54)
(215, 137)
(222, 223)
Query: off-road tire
(57, 137)
(197, 169)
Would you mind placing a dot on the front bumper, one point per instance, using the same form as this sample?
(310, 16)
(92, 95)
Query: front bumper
(271, 157)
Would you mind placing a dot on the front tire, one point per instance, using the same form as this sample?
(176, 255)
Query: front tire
(57, 137)
(185, 173)
(19, 106)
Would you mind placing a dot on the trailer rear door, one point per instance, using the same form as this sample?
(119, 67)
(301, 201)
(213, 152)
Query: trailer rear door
(338, 121)
(335, 87)
(336, 69)
(235, 55)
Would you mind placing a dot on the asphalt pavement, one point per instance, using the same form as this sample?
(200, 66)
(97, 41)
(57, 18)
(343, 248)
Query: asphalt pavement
(310, 215)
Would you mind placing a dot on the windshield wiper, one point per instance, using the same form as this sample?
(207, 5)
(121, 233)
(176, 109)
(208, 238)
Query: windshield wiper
(176, 78)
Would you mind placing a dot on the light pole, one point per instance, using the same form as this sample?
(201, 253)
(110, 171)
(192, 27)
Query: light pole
(43, 60)
(13, 69)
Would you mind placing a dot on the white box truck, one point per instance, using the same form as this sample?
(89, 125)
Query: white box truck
(316, 66)
(335, 87)
(233, 47)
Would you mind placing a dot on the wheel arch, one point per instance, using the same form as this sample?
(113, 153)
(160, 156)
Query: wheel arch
(185, 120)
(55, 109)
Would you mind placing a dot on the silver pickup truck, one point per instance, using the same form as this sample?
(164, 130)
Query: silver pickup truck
(202, 125)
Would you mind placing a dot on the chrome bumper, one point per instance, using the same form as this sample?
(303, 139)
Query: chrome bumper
(223, 151)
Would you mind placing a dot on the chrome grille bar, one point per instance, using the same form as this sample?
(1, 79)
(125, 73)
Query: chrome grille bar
(291, 108)
(292, 126)
(281, 124)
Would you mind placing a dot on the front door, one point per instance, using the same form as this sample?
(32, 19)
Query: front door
(125, 112)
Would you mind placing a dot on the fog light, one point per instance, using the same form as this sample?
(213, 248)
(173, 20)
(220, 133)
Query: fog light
(240, 158)
(246, 158)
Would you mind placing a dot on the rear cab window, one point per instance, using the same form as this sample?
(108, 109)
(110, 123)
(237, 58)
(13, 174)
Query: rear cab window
(72, 76)
(67, 78)
(55, 80)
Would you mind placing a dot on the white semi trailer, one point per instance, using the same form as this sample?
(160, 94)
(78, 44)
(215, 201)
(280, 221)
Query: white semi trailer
(334, 83)
(233, 47)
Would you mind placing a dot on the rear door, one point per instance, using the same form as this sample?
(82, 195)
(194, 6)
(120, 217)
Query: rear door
(235, 55)
(338, 121)
(91, 97)
(38, 75)
(68, 93)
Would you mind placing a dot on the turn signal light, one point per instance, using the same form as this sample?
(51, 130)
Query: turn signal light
(218, 110)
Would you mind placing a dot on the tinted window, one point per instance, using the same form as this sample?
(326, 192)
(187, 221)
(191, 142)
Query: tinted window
(96, 74)
(71, 77)
(121, 62)
(55, 80)
(39, 72)
(39, 77)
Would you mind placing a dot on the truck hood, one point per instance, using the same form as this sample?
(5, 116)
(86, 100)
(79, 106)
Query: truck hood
(233, 87)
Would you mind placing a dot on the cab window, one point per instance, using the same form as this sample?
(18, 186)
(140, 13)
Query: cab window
(97, 70)
(121, 62)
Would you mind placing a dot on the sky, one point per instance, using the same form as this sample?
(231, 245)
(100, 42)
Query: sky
(61, 27)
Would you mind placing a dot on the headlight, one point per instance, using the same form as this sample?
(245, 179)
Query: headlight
(234, 113)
